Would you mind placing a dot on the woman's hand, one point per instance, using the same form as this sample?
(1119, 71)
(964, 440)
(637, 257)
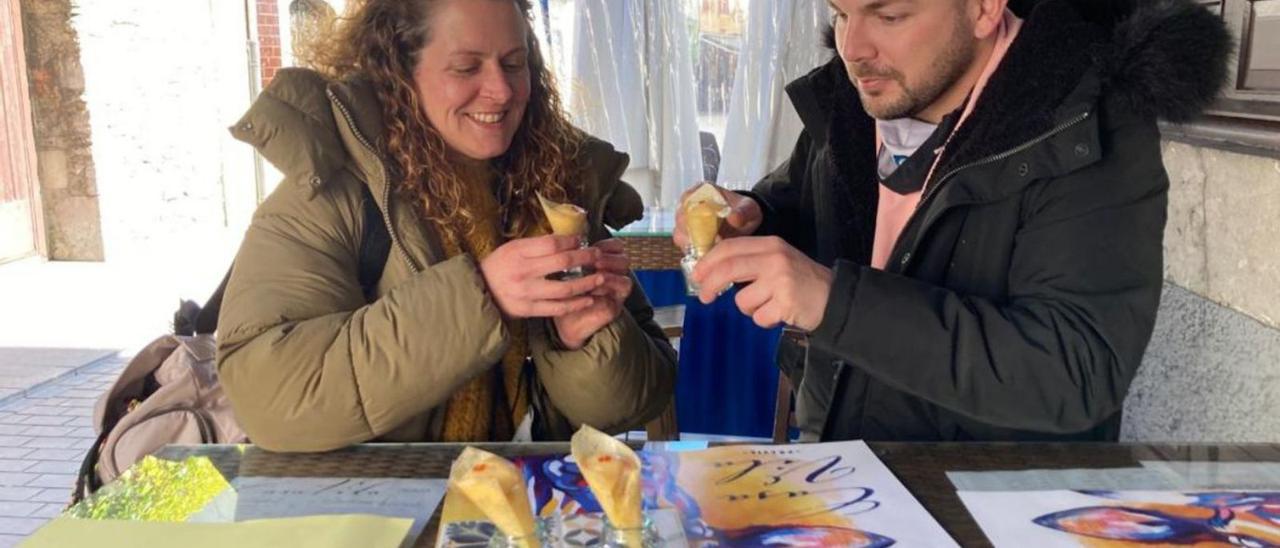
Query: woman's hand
(575, 328)
(516, 274)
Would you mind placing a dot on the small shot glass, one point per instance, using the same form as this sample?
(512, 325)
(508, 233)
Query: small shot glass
(687, 264)
(544, 534)
(645, 536)
(577, 271)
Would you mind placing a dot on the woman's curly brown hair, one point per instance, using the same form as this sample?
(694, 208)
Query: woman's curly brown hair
(381, 40)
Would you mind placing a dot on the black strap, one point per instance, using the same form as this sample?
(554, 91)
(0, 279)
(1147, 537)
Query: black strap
(375, 247)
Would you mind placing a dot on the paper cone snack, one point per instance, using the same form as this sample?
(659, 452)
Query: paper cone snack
(704, 210)
(497, 488)
(565, 219)
(612, 470)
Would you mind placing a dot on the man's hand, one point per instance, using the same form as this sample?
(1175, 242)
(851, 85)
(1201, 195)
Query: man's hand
(784, 285)
(576, 328)
(744, 217)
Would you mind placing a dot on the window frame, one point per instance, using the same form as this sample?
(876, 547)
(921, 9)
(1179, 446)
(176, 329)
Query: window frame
(1240, 120)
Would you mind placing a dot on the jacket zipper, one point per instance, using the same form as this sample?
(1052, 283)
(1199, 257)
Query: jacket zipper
(933, 190)
(386, 180)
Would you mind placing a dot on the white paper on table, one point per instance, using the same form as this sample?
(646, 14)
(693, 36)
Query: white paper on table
(1217, 475)
(899, 515)
(263, 497)
(1009, 518)
(1113, 479)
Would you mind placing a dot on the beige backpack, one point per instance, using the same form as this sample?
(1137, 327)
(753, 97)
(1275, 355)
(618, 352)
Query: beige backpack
(169, 392)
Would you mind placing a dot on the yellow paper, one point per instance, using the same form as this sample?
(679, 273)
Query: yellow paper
(497, 488)
(313, 532)
(565, 219)
(705, 209)
(612, 470)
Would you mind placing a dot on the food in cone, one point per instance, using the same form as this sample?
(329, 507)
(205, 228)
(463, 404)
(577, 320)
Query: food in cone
(495, 486)
(704, 210)
(612, 471)
(565, 219)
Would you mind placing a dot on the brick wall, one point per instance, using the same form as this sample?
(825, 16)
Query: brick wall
(268, 39)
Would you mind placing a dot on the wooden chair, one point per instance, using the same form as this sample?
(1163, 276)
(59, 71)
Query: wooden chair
(659, 253)
(782, 417)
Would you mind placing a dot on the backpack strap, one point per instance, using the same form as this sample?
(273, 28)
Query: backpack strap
(375, 247)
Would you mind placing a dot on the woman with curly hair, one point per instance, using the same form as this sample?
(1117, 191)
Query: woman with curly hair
(444, 115)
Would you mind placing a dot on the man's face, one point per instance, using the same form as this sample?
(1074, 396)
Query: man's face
(903, 55)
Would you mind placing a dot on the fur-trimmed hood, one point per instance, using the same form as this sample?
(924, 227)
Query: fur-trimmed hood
(1159, 58)
(1162, 58)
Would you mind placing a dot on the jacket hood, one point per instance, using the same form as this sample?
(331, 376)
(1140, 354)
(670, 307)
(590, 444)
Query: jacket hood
(1162, 58)
(310, 128)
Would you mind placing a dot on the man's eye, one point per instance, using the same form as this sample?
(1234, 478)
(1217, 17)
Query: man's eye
(891, 19)
(466, 70)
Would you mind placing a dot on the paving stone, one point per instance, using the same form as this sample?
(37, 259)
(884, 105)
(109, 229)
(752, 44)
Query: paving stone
(55, 467)
(54, 443)
(52, 496)
(48, 511)
(39, 410)
(11, 429)
(14, 465)
(56, 454)
(50, 431)
(46, 420)
(55, 357)
(18, 493)
(54, 481)
(44, 391)
(14, 452)
(21, 526)
(15, 479)
(77, 411)
(14, 441)
(82, 394)
(13, 509)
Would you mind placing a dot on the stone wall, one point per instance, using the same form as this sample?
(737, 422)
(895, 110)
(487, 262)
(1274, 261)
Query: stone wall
(64, 158)
(1212, 372)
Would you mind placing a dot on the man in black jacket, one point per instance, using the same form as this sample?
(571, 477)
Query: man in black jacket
(969, 230)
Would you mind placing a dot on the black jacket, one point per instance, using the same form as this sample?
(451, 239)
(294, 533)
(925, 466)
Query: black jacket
(1020, 298)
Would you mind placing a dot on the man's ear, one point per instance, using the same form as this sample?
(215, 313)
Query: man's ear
(987, 16)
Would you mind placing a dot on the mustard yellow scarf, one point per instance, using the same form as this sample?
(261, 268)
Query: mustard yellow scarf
(490, 406)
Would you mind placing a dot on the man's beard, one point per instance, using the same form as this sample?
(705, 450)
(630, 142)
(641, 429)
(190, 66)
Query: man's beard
(943, 73)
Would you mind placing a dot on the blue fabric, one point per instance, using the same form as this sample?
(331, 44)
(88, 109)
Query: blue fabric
(663, 287)
(727, 383)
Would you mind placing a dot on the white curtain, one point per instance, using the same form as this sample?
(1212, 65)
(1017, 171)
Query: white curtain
(632, 84)
(781, 43)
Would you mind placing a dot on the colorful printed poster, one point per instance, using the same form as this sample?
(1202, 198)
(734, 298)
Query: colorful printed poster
(836, 494)
(1047, 519)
